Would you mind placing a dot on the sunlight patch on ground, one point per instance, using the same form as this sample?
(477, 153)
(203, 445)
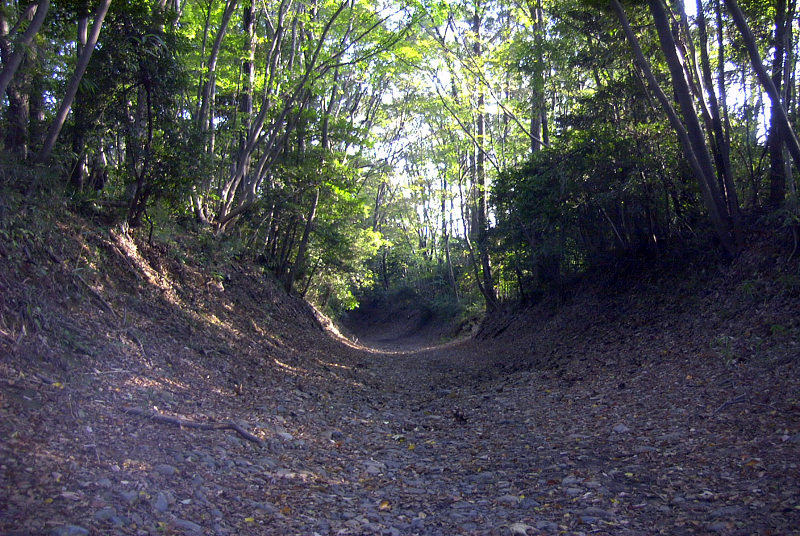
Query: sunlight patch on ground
(290, 368)
(334, 365)
(161, 383)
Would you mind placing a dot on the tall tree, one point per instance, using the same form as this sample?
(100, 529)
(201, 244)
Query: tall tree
(789, 135)
(75, 80)
(690, 134)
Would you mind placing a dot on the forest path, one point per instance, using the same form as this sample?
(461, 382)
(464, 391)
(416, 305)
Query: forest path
(440, 441)
(610, 417)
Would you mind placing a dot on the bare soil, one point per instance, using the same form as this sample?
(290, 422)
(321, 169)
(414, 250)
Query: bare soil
(664, 403)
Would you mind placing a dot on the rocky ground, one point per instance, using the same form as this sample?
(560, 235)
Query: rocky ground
(620, 412)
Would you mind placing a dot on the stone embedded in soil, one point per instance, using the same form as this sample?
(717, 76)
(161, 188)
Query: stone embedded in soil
(70, 530)
(166, 470)
(620, 428)
(105, 514)
(508, 500)
(569, 480)
(187, 526)
(718, 526)
(549, 526)
(129, 496)
(161, 503)
(597, 512)
(727, 511)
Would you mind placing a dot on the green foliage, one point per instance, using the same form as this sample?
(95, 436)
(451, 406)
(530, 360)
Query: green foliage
(359, 133)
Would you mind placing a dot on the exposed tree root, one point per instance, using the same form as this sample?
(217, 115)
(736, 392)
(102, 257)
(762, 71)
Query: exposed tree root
(186, 423)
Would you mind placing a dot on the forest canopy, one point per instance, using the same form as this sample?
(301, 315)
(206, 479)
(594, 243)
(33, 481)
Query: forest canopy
(475, 152)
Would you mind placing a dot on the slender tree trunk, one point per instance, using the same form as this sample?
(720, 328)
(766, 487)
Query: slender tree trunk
(204, 115)
(480, 179)
(790, 138)
(704, 172)
(21, 45)
(722, 148)
(446, 238)
(775, 142)
(538, 112)
(72, 88)
(721, 86)
(78, 175)
(17, 114)
(300, 259)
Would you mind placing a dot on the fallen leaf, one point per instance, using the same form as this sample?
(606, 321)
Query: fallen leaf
(519, 529)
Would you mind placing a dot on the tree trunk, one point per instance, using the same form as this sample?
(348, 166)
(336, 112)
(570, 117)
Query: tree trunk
(204, 116)
(777, 163)
(300, 259)
(538, 113)
(722, 148)
(704, 172)
(790, 138)
(21, 46)
(72, 88)
(480, 180)
(78, 176)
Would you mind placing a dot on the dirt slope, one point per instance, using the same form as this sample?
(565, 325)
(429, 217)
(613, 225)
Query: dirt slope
(625, 412)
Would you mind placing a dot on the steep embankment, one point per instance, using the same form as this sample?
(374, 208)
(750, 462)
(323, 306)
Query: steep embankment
(668, 404)
(94, 323)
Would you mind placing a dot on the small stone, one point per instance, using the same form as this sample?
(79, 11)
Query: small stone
(674, 436)
(569, 480)
(70, 530)
(264, 506)
(597, 512)
(129, 496)
(549, 526)
(573, 492)
(336, 435)
(527, 503)
(642, 449)
(727, 511)
(105, 514)
(519, 529)
(620, 428)
(166, 470)
(104, 483)
(187, 526)
(718, 526)
(286, 436)
(508, 500)
(706, 495)
(161, 504)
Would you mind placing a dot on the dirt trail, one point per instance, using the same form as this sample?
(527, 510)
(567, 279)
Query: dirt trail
(434, 441)
(613, 416)
(458, 447)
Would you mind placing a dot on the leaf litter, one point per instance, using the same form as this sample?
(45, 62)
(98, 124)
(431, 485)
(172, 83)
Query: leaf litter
(610, 417)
